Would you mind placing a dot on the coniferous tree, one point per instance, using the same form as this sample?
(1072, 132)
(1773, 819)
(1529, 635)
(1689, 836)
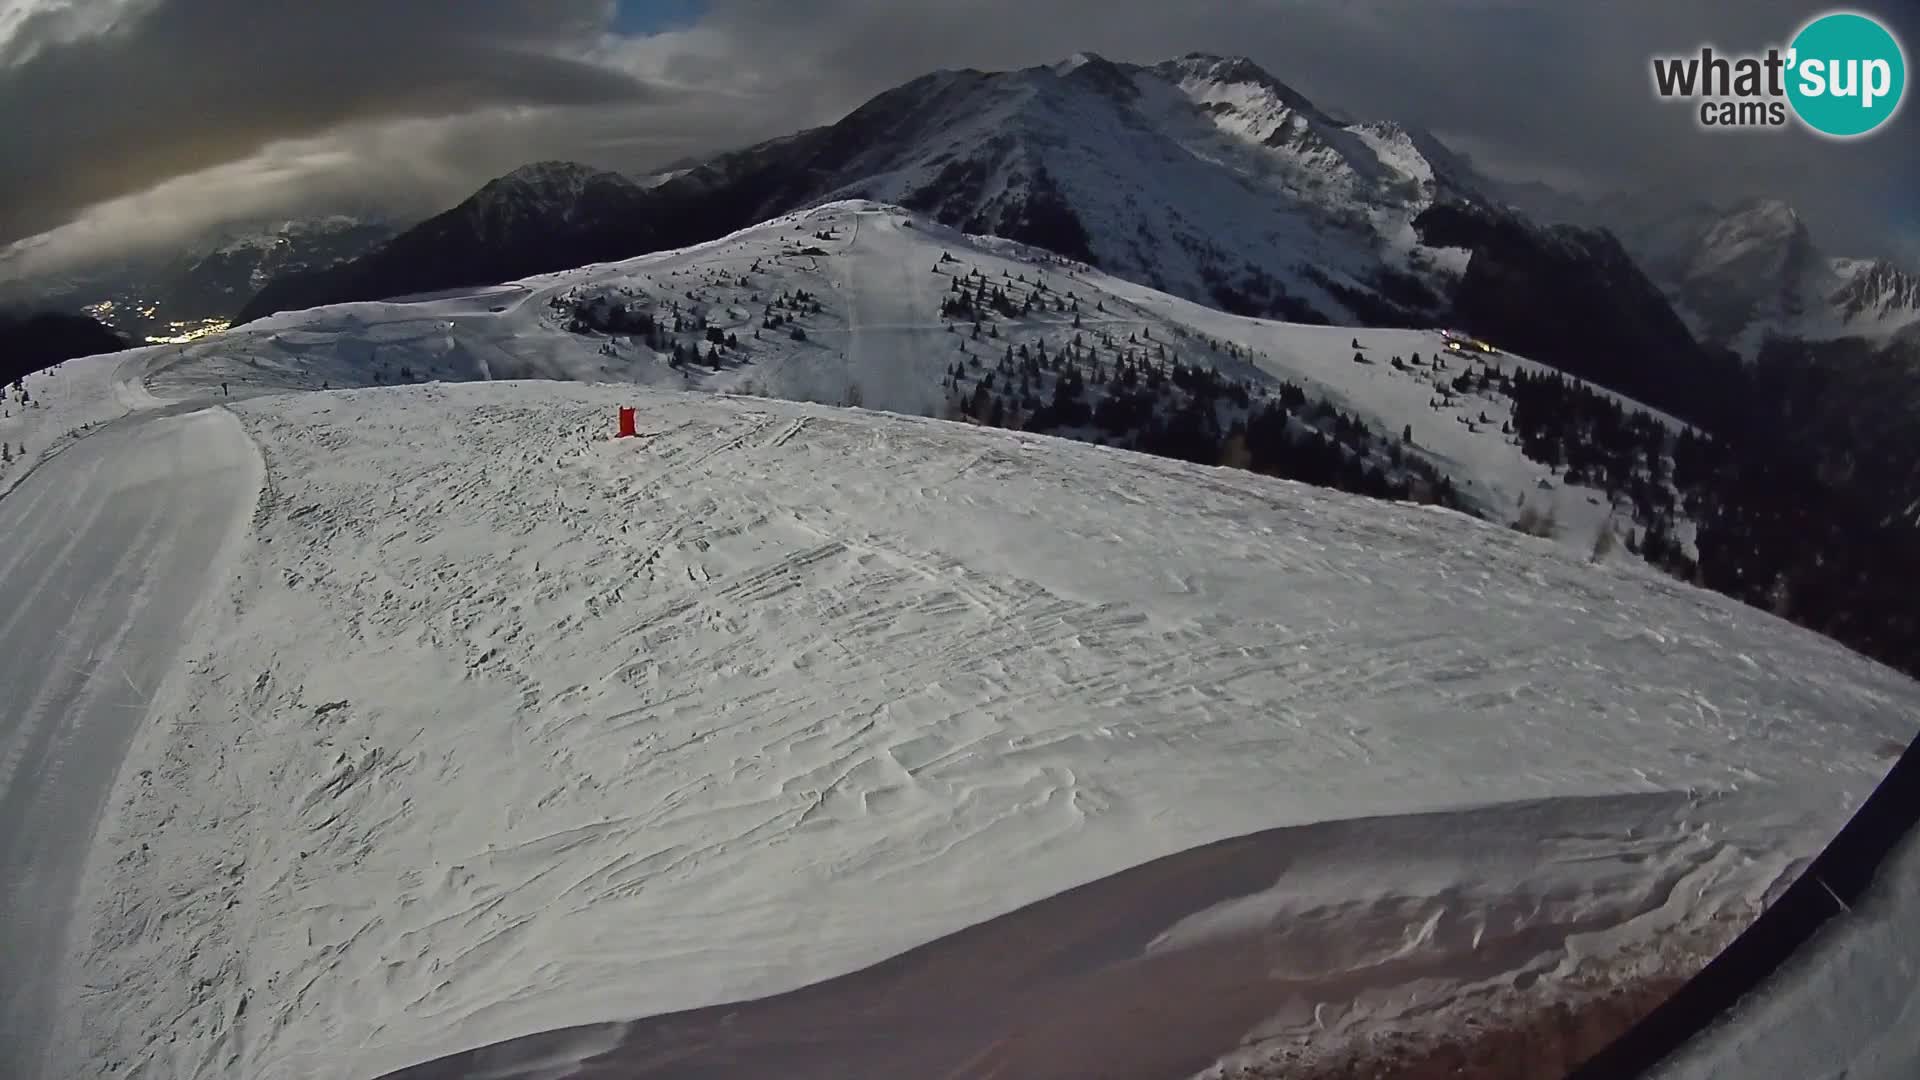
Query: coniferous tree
(981, 402)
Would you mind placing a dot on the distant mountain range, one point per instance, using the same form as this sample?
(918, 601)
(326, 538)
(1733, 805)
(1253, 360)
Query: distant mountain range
(1743, 272)
(1208, 178)
(206, 283)
(1203, 176)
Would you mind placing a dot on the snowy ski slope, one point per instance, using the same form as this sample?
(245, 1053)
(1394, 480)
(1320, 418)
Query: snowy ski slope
(109, 551)
(499, 725)
(508, 726)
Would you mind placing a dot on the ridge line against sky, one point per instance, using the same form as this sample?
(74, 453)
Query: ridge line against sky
(147, 121)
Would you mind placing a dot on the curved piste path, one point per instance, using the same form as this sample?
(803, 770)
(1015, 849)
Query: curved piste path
(105, 553)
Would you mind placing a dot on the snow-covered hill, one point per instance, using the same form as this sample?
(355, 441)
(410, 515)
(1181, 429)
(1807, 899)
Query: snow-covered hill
(500, 724)
(503, 725)
(879, 276)
(52, 408)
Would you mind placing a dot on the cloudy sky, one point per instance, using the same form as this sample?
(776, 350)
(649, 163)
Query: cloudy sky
(131, 122)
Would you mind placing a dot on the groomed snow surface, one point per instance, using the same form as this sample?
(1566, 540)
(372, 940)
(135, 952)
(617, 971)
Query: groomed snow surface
(507, 726)
(109, 550)
(497, 725)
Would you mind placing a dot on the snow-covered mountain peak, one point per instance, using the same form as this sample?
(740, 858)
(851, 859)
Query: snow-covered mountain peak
(1745, 272)
(1184, 174)
(1206, 74)
(1761, 238)
(1097, 73)
(1418, 155)
(1075, 62)
(1755, 270)
(553, 181)
(1248, 103)
(551, 172)
(565, 190)
(285, 231)
(1776, 214)
(1875, 291)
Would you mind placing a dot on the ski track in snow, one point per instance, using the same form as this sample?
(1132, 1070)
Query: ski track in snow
(519, 727)
(504, 726)
(110, 550)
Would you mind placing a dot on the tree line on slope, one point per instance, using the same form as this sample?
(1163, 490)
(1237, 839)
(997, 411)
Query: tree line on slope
(1810, 500)
(1138, 394)
(1798, 503)
(1805, 498)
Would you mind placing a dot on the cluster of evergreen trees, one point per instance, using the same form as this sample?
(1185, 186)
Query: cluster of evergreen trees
(1808, 499)
(609, 314)
(1318, 444)
(1629, 454)
(681, 338)
(1140, 395)
(1802, 499)
(975, 297)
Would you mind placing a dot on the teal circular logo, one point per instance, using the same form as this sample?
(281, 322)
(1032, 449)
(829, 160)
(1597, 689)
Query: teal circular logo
(1847, 75)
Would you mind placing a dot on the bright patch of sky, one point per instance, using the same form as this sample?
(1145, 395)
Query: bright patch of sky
(56, 22)
(638, 18)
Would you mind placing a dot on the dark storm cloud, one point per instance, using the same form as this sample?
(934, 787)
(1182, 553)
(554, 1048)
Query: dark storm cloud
(182, 85)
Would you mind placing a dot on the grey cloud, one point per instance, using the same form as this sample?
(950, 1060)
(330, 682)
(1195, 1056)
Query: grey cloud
(185, 85)
(400, 168)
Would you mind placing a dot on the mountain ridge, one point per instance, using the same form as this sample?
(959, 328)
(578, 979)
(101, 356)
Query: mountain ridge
(207, 281)
(1743, 272)
(1202, 176)
(34, 341)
